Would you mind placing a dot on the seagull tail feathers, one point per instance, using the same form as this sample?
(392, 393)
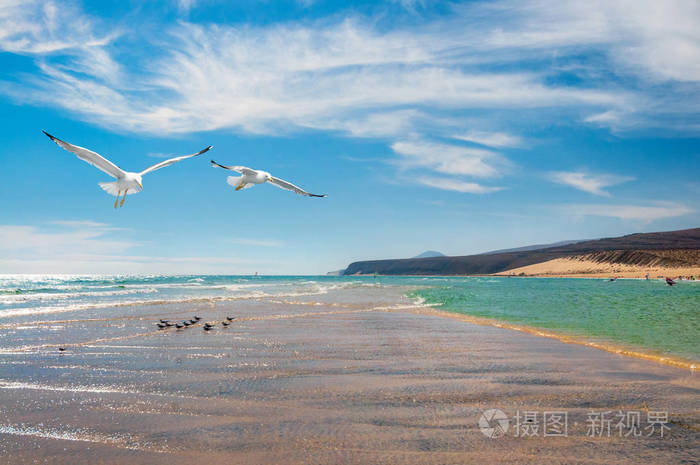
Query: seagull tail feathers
(112, 188)
(235, 181)
(109, 187)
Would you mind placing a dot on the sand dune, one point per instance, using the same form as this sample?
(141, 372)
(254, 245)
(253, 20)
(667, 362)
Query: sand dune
(621, 264)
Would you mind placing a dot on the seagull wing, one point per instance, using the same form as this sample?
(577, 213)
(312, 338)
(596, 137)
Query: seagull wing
(95, 159)
(291, 187)
(169, 162)
(237, 169)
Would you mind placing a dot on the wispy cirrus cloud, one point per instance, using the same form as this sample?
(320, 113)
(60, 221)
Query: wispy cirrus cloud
(451, 184)
(491, 139)
(257, 242)
(86, 246)
(449, 159)
(643, 213)
(72, 237)
(592, 183)
(364, 78)
(455, 161)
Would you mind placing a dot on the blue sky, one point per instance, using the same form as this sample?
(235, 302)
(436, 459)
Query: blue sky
(458, 127)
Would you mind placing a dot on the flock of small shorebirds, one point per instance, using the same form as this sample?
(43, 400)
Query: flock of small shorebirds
(164, 324)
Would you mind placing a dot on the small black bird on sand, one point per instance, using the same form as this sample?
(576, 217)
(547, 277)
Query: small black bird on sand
(230, 318)
(192, 321)
(178, 326)
(161, 326)
(163, 321)
(186, 323)
(61, 349)
(197, 318)
(208, 328)
(225, 323)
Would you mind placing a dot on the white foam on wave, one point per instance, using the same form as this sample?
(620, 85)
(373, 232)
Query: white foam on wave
(238, 291)
(10, 299)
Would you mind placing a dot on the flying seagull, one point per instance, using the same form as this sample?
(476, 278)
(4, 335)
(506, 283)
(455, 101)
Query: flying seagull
(127, 182)
(250, 177)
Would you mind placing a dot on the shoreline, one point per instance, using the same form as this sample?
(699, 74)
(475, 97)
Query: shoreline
(613, 348)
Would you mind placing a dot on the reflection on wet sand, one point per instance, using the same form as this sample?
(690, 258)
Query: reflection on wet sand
(352, 376)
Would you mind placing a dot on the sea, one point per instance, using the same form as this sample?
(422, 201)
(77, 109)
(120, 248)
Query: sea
(641, 315)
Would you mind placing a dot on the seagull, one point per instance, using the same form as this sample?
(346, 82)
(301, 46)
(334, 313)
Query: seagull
(127, 182)
(251, 177)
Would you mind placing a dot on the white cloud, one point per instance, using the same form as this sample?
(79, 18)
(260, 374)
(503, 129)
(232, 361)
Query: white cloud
(186, 5)
(405, 85)
(256, 242)
(349, 75)
(644, 213)
(491, 139)
(456, 185)
(449, 159)
(79, 238)
(84, 246)
(588, 182)
(261, 78)
(43, 27)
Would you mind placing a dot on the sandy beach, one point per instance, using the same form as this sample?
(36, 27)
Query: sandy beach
(356, 377)
(576, 267)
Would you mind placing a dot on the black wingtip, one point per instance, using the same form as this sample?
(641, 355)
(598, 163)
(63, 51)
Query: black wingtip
(318, 195)
(49, 135)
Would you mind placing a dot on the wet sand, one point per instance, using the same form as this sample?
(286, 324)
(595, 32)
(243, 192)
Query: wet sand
(357, 376)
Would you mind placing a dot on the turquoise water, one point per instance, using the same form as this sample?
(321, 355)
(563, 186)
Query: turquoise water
(641, 314)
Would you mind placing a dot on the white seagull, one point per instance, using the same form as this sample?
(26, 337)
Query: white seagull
(127, 182)
(249, 177)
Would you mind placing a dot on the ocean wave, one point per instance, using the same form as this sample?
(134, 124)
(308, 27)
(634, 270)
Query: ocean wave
(46, 296)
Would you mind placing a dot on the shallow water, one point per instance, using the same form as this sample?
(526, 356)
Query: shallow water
(647, 315)
(643, 315)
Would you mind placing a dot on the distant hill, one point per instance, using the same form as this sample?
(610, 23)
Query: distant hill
(430, 254)
(501, 261)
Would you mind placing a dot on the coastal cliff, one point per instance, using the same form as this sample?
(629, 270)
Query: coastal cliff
(670, 249)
